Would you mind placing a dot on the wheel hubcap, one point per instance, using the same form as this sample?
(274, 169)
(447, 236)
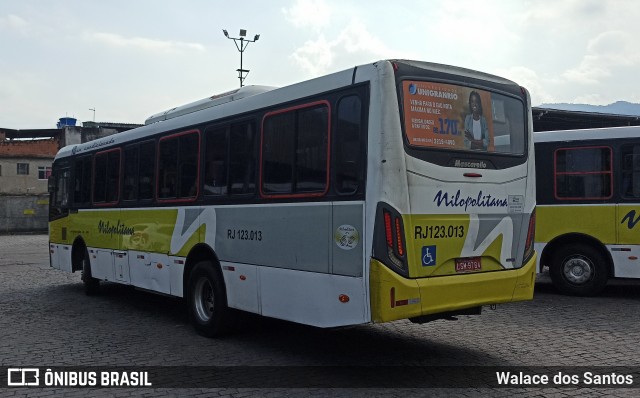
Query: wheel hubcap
(578, 270)
(203, 299)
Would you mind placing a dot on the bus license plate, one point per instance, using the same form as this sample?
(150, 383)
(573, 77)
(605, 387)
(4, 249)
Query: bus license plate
(468, 264)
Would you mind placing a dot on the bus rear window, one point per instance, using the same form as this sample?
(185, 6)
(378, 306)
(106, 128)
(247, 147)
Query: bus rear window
(447, 116)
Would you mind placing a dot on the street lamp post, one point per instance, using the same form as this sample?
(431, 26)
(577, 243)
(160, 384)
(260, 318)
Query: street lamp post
(243, 43)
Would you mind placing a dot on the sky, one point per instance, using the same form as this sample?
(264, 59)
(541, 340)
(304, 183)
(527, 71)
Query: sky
(128, 60)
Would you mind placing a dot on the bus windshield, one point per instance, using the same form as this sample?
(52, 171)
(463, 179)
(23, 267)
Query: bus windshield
(448, 116)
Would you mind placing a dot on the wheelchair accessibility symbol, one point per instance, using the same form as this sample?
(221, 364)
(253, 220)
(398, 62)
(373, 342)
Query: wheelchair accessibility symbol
(428, 256)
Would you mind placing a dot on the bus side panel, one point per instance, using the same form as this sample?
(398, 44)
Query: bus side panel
(241, 281)
(597, 221)
(311, 298)
(348, 239)
(625, 258)
(625, 255)
(280, 235)
(57, 257)
(59, 239)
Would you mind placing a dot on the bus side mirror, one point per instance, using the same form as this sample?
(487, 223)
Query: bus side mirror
(51, 184)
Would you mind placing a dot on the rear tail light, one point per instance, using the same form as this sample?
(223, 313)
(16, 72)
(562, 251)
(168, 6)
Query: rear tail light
(390, 248)
(399, 238)
(387, 229)
(531, 233)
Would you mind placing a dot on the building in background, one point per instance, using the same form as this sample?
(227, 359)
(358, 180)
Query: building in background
(26, 157)
(25, 165)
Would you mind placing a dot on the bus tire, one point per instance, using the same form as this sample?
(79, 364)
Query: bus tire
(207, 301)
(91, 284)
(578, 270)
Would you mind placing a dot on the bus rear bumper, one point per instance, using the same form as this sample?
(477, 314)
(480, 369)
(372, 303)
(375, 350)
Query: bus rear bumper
(394, 297)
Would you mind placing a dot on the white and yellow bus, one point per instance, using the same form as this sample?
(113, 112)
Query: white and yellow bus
(588, 206)
(393, 190)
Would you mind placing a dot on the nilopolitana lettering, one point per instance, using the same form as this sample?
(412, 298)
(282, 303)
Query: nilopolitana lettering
(443, 198)
(118, 229)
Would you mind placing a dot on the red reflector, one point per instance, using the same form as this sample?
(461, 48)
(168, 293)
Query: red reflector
(475, 175)
(402, 302)
(343, 298)
(633, 258)
(387, 229)
(159, 266)
(392, 295)
(243, 278)
(399, 238)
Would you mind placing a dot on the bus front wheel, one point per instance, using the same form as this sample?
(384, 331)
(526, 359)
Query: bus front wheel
(207, 301)
(578, 270)
(91, 284)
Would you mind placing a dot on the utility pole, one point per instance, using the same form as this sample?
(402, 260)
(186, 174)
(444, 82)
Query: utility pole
(241, 44)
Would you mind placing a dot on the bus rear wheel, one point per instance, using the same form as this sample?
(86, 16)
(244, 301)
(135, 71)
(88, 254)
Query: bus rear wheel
(207, 301)
(91, 284)
(578, 270)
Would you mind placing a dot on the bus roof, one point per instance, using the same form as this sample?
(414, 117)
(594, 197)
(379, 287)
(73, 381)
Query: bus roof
(606, 133)
(218, 99)
(243, 100)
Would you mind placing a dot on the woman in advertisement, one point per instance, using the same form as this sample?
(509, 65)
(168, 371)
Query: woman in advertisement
(476, 130)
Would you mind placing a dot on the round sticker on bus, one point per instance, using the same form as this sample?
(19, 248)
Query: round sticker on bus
(346, 237)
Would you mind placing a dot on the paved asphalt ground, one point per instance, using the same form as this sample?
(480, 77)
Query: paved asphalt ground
(47, 321)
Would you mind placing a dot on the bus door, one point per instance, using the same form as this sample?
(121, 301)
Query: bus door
(112, 262)
(59, 248)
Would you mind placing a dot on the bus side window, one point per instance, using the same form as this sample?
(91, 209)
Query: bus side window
(146, 170)
(61, 199)
(59, 183)
(215, 172)
(178, 166)
(131, 162)
(242, 162)
(82, 181)
(167, 168)
(188, 165)
(106, 177)
(583, 173)
(348, 149)
(630, 171)
(278, 146)
(294, 151)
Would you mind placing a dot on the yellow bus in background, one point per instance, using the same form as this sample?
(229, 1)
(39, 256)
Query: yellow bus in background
(588, 209)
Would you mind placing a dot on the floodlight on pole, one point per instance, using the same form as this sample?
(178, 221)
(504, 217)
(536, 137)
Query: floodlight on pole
(243, 43)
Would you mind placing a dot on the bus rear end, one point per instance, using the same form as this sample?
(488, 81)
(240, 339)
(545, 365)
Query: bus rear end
(454, 229)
